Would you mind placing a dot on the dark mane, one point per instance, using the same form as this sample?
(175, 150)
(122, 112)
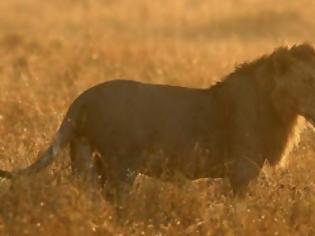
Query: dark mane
(301, 51)
(247, 69)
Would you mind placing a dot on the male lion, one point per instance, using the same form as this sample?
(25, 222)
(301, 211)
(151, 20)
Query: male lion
(227, 130)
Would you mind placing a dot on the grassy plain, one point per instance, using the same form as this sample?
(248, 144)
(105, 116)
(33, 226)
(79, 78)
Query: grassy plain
(52, 50)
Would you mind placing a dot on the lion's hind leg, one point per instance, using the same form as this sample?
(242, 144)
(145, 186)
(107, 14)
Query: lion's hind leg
(82, 163)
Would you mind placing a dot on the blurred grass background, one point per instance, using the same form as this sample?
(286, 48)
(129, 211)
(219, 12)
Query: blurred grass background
(52, 50)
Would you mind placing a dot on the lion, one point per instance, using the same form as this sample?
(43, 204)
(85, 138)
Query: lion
(255, 114)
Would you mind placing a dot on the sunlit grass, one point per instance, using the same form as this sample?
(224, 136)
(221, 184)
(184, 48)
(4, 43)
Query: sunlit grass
(52, 50)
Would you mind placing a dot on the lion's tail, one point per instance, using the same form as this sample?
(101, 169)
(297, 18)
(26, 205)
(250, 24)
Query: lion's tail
(61, 139)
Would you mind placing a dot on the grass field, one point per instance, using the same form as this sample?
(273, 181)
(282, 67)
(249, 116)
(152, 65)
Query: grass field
(52, 50)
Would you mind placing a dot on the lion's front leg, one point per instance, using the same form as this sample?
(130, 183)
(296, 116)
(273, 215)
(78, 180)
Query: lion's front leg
(246, 149)
(244, 169)
(246, 159)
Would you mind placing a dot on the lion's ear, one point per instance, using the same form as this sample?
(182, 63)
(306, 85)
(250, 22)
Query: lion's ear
(281, 61)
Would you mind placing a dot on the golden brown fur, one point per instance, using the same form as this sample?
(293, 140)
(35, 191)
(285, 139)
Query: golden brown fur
(227, 130)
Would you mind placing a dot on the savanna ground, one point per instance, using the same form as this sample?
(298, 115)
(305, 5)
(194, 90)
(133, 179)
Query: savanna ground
(52, 50)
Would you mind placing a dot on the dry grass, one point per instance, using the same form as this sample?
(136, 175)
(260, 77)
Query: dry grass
(52, 50)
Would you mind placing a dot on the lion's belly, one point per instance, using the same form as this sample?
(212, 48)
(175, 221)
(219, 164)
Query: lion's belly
(153, 152)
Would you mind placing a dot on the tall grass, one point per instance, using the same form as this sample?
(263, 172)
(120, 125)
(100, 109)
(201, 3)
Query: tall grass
(52, 50)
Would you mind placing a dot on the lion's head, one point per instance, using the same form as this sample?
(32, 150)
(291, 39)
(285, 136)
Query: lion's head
(295, 80)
